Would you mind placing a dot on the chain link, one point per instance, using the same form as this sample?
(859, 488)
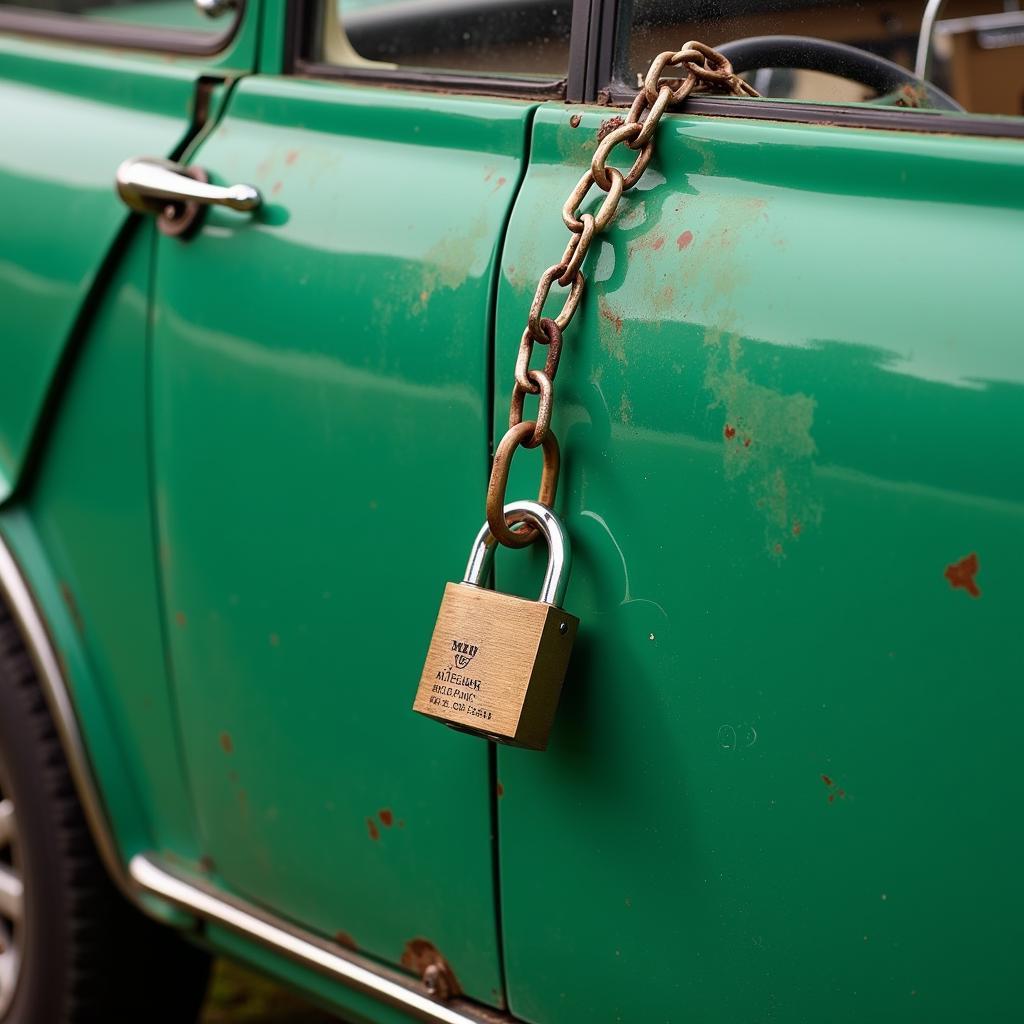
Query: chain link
(701, 69)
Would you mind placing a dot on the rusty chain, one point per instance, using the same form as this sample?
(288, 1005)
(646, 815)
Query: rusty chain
(706, 70)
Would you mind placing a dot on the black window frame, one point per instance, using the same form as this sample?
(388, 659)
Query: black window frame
(850, 115)
(299, 35)
(590, 79)
(120, 35)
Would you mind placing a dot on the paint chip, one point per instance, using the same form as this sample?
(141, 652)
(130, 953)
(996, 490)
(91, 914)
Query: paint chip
(961, 574)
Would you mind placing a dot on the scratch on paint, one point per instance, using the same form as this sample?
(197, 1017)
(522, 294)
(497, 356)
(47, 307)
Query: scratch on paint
(609, 333)
(627, 595)
(452, 260)
(767, 443)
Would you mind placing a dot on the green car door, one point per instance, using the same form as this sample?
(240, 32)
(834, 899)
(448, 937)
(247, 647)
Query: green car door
(81, 89)
(321, 415)
(778, 787)
(245, 443)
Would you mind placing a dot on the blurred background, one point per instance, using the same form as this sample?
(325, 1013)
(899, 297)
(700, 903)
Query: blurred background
(238, 996)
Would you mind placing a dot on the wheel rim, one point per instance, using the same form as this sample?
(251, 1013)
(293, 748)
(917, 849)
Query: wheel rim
(12, 901)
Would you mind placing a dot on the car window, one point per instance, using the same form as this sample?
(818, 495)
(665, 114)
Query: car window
(204, 19)
(972, 50)
(482, 37)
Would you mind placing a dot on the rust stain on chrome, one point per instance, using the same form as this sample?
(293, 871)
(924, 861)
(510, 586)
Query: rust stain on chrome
(421, 956)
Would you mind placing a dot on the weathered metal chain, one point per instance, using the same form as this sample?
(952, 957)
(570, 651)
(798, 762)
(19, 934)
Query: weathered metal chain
(704, 70)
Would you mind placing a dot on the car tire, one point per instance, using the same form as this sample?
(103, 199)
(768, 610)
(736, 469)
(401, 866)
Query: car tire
(74, 950)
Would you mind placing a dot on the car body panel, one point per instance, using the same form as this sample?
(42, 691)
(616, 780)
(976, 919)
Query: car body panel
(98, 106)
(84, 536)
(321, 386)
(789, 409)
(776, 788)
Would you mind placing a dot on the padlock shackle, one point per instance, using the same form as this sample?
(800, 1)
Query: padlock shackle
(556, 577)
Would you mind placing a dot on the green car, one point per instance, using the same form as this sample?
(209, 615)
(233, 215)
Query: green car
(268, 277)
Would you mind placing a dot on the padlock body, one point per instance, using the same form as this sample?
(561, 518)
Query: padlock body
(496, 665)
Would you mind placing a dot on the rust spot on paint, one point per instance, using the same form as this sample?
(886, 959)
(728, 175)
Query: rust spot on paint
(419, 954)
(346, 940)
(658, 242)
(226, 743)
(276, 188)
(746, 442)
(206, 863)
(608, 125)
(777, 549)
(609, 314)
(684, 239)
(275, 640)
(371, 827)
(180, 619)
(501, 790)
(833, 790)
(499, 183)
(574, 121)
(386, 818)
(730, 432)
(797, 528)
(291, 156)
(961, 574)
(69, 600)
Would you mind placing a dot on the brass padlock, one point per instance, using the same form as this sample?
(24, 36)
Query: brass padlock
(496, 662)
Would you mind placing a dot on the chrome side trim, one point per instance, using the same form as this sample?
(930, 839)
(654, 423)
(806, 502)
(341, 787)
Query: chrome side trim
(18, 598)
(350, 969)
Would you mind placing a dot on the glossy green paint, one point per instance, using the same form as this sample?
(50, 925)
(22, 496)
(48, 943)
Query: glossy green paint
(69, 114)
(780, 785)
(89, 509)
(321, 386)
(106, 753)
(273, 51)
(780, 781)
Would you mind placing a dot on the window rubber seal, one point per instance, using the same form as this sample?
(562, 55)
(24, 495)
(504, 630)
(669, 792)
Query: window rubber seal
(616, 94)
(298, 36)
(835, 116)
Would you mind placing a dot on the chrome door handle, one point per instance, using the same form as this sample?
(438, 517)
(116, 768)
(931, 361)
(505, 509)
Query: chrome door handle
(175, 193)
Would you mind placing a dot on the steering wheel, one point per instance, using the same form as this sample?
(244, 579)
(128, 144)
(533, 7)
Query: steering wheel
(807, 54)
